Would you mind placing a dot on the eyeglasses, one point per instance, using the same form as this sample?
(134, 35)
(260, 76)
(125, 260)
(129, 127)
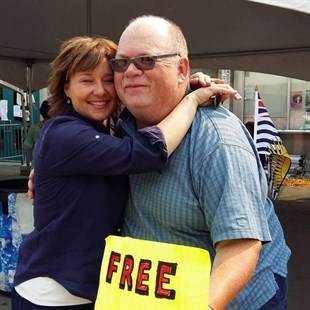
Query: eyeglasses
(142, 63)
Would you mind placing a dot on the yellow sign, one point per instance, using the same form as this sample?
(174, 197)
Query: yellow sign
(139, 274)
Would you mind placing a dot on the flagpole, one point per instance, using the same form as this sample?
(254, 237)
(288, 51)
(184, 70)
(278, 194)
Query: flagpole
(255, 114)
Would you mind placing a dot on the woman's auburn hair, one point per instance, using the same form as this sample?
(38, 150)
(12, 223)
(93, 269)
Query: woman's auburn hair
(76, 54)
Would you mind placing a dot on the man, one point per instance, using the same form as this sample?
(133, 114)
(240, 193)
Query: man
(35, 130)
(212, 194)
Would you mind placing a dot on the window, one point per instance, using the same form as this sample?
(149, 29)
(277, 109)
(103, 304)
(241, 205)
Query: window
(286, 100)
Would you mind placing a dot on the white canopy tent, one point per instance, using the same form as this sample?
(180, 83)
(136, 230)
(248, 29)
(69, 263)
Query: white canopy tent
(299, 5)
(229, 34)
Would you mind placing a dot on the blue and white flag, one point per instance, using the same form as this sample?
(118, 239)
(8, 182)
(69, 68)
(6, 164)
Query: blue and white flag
(265, 133)
(269, 143)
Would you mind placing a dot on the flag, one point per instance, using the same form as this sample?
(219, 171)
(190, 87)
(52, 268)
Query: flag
(265, 132)
(269, 143)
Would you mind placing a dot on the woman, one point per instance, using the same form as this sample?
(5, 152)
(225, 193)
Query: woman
(81, 184)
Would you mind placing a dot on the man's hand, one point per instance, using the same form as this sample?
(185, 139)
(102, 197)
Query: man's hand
(205, 95)
(31, 186)
(200, 80)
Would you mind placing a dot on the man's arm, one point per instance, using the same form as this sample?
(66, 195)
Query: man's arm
(233, 267)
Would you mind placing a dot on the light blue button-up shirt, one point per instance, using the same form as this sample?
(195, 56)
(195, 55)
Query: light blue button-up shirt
(212, 189)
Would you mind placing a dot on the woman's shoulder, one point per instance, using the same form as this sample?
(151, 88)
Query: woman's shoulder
(64, 127)
(64, 121)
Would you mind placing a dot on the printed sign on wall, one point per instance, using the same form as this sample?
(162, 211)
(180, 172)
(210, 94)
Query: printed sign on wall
(296, 100)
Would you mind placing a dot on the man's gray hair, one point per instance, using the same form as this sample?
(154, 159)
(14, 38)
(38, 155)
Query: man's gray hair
(177, 37)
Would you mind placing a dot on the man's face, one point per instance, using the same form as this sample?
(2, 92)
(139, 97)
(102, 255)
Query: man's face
(150, 95)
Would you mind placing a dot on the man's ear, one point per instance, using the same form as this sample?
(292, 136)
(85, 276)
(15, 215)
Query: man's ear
(183, 70)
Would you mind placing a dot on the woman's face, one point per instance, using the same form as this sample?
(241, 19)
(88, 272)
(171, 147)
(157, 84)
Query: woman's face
(92, 93)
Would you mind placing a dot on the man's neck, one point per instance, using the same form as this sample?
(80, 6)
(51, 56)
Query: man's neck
(141, 124)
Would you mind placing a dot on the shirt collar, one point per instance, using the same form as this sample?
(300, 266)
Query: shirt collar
(126, 124)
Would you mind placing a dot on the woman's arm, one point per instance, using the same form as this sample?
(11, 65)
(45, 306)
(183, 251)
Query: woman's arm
(176, 124)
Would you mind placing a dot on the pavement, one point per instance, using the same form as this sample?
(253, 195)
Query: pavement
(12, 170)
(293, 209)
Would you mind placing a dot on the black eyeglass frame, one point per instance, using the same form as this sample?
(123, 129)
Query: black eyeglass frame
(138, 65)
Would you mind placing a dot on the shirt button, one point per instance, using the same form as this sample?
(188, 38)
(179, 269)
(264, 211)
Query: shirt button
(97, 136)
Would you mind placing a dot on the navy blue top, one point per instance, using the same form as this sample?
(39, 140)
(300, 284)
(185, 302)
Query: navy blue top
(81, 189)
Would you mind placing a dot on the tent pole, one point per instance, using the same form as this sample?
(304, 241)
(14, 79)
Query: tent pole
(29, 90)
(88, 17)
(30, 105)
